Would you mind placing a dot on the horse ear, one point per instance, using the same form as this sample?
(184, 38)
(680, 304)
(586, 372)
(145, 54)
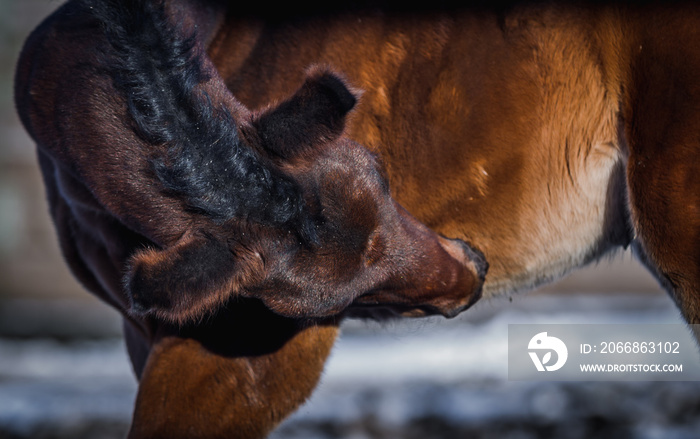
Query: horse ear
(314, 115)
(189, 279)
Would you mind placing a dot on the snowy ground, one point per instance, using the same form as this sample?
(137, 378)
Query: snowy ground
(428, 378)
(449, 379)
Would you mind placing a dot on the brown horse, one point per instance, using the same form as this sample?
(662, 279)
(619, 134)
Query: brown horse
(544, 134)
(232, 241)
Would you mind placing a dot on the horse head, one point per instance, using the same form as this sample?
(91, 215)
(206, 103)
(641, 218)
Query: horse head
(276, 204)
(315, 230)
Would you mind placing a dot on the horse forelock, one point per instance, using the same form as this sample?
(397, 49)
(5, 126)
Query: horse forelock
(159, 67)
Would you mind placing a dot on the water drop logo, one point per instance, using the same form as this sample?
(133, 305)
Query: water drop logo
(542, 342)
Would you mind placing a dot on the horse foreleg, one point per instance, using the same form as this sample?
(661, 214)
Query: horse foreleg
(230, 387)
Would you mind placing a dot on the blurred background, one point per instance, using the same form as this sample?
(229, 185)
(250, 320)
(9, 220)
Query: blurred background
(64, 371)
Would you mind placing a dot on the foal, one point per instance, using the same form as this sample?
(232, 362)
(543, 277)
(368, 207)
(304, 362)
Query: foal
(232, 241)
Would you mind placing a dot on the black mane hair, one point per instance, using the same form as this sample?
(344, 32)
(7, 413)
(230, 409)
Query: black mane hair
(158, 68)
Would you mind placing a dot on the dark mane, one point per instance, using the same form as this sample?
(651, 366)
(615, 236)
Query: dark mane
(159, 69)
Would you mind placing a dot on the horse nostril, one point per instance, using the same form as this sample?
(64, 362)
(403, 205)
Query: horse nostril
(463, 251)
(477, 258)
